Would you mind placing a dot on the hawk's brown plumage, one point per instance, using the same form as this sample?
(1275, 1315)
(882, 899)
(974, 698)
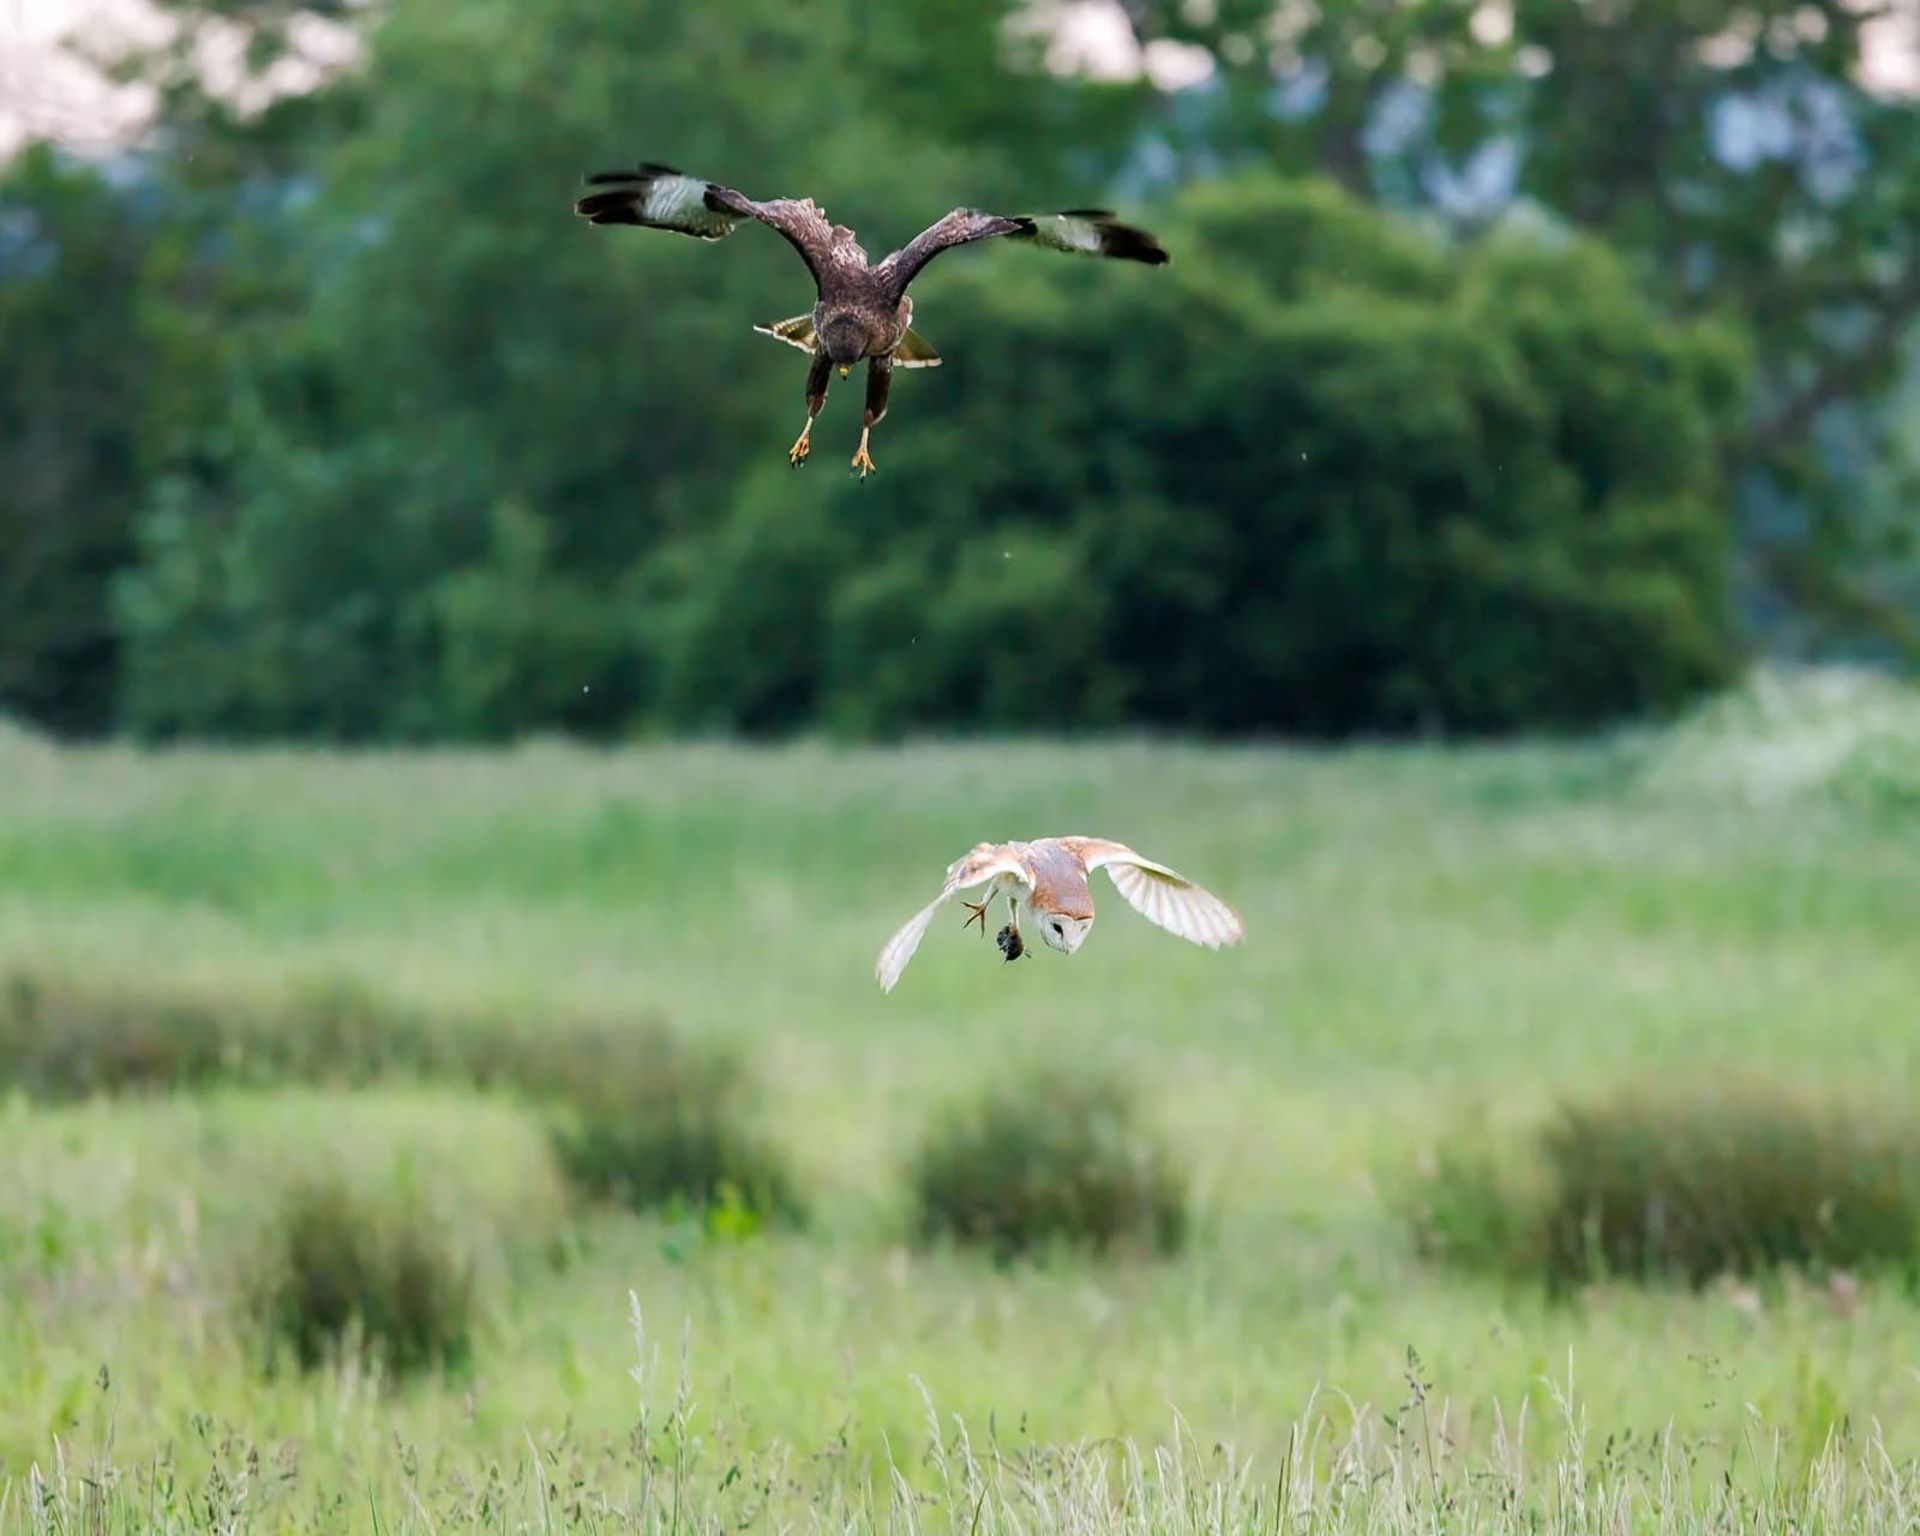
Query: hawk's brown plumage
(861, 310)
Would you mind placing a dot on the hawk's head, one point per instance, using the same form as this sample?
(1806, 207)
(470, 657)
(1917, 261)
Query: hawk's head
(847, 337)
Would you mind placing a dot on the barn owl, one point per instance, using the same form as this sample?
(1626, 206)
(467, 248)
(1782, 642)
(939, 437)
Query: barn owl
(1046, 882)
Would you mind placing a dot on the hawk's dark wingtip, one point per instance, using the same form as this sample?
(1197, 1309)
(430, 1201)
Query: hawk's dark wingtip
(1123, 242)
(1090, 232)
(638, 176)
(1129, 244)
(608, 208)
(657, 197)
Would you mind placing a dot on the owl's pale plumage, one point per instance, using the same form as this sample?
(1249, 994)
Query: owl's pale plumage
(1047, 882)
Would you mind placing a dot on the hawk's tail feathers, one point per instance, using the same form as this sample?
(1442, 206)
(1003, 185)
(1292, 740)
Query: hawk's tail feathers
(797, 332)
(915, 351)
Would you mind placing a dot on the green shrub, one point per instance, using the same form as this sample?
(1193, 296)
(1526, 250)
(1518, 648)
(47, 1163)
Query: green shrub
(1699, 1185)
(637, 1115)
(60, 1039)
(65, 1040)
(1660, 1182)
(347, 1274)
(58, 1042)
(644, 1119)
(1478, 1205)
(1060, 1158)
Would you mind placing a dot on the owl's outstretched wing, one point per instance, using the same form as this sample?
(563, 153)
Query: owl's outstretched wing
(986, 862)
(1082, 232)
(659, 197)
(1161, 895)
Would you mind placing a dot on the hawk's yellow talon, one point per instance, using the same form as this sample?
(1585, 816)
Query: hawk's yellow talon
(863, 464)
(797, 454)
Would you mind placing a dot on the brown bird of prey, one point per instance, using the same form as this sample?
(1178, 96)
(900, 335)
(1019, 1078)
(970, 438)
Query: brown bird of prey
(861, 311)
(1047, 882)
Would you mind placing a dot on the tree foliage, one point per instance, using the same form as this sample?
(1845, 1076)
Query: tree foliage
(342, 426)
(464, 364)
(74, 386)
(1374, 486)
(1735, 150)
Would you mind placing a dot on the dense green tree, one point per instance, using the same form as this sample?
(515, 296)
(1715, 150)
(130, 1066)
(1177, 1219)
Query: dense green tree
(1373, 483)
(413, 452)
(1733, 148)
(74, 382)
(147, 301)
(464, 343)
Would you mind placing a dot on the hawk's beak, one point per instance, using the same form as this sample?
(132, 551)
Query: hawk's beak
(844, 372)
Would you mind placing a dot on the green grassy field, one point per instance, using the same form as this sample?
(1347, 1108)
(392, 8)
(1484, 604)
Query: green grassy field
(1437, 938)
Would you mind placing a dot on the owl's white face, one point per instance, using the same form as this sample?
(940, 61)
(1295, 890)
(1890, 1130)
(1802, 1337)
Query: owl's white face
(1063, 933)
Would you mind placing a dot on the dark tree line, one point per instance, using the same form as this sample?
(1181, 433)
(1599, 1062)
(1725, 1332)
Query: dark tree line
(1490, 377)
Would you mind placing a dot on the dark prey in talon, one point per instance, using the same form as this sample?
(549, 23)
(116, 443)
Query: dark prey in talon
(861, 311)
(1010, 942)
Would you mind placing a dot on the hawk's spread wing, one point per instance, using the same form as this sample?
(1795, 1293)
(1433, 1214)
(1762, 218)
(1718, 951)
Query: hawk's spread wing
(1082, 231)
(986, 862)
(1160, 894)
(659, 197)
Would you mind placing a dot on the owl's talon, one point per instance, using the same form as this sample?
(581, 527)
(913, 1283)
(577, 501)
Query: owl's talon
(976, 913)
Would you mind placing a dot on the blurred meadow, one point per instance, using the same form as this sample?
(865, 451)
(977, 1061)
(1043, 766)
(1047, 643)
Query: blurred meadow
(1446, 944)
(455, 776)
